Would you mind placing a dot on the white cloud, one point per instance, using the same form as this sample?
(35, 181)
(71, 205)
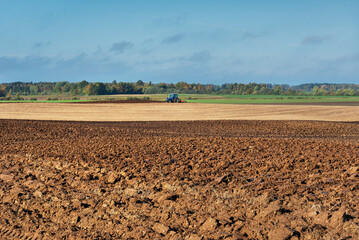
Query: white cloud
(120, 47)
(173, 38)
(315, 39)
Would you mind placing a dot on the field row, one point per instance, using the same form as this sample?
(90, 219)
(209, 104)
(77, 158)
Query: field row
(204, 98)
(174, 112)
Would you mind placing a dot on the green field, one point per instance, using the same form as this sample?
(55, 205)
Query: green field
(205, 98)
(259, 99)
(268, 99)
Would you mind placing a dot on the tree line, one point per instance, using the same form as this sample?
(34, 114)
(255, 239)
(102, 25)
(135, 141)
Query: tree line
(140, 87)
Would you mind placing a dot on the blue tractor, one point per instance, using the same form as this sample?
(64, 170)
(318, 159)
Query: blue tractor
(173, 98)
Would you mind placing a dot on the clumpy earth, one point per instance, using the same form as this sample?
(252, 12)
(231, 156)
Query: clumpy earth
(179, 180)
(121, 101)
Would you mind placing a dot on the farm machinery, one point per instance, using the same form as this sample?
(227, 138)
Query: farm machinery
(173, 98)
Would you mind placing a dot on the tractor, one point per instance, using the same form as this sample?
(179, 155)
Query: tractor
(173, 98)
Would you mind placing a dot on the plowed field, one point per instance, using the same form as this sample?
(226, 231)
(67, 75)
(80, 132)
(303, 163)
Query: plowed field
(179, 180)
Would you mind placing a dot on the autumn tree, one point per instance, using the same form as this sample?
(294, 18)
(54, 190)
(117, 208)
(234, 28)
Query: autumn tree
(3, 91)
(9, 94)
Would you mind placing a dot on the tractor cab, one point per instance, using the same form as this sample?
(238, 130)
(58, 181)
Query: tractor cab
(172, 98)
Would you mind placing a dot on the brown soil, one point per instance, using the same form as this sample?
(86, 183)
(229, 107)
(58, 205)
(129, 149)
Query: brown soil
(174, 112)
(153, 101)
(118, 101)
(179, 180)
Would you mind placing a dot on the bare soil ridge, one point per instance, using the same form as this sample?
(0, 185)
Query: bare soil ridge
(174, 112)
(179, 180)
(118, 101)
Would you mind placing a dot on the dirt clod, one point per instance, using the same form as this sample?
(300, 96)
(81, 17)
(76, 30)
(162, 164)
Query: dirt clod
(209, 225)
(160, 228)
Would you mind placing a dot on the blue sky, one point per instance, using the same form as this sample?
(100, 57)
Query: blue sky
(198, 41)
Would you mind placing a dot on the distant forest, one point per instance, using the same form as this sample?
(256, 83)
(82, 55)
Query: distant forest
(140, 87)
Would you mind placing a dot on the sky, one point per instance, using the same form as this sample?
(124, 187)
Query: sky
(200, 41)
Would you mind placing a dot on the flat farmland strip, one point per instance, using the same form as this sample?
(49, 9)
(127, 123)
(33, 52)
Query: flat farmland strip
(174, 112)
